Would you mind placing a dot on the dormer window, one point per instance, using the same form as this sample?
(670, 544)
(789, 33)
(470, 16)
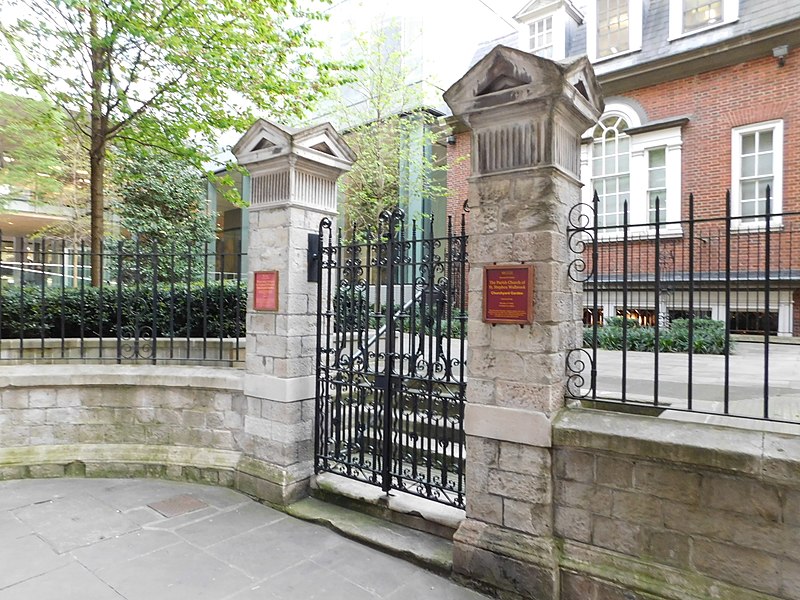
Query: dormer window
(701, 13)
(547, 27)
(613, 27)
(688, 16)
(541, 37)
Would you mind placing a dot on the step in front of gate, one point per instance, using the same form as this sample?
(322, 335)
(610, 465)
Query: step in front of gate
(424, 549)
(396, 507)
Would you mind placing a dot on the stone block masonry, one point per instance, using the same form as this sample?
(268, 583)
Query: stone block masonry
(107, 421)
(653, 508)
(638, 508)
(294, 177)
(526, 115)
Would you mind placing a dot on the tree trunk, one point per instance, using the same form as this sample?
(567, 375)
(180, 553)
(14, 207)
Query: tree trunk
(97, 152)
(96, 174)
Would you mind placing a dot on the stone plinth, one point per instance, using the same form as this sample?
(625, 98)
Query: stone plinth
(293, 186)
(526, 115)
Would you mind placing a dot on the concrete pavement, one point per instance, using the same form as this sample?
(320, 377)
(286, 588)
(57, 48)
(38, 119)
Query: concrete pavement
(746, 380)
(109, 539)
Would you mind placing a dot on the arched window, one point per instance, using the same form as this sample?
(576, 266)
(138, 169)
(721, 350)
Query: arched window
(611, 176)
(625, 157)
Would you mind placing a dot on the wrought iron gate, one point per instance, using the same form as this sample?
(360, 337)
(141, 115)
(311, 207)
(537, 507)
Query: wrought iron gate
(391, 331)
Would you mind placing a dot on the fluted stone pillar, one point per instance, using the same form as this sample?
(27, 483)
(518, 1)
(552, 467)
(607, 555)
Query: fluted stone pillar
(293, 186)
(527, 115)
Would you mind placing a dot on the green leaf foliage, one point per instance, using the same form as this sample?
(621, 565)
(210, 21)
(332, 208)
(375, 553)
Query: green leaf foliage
(162, 204)
(41, 159)
(162, 74)
(211, 310)
(708, 336)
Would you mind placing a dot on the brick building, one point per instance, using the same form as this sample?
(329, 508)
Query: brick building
(701, 98)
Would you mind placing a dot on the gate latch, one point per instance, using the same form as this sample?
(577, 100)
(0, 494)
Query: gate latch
(313, 258)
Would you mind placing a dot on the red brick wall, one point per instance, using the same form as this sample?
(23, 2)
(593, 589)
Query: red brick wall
(796, 313)
(458, 172)
(715, 102)
(751, 92)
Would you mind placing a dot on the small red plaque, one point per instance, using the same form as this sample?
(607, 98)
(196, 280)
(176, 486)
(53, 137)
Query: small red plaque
(508, 294)
(265, 291)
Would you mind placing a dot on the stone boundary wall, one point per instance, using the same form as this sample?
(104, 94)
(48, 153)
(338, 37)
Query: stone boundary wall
(648, 508)
(109, 421)
(227, 352)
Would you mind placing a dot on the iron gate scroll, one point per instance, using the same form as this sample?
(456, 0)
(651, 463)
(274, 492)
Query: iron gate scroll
(391, 356)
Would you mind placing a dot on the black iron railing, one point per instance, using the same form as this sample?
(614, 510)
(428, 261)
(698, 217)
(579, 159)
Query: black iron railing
(153, 304)
(693, 315)
(391, 357)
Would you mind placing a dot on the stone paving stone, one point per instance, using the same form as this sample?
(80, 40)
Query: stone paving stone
(75, 521)
(26, 557)
(123, 548)
(376, 572)
(143, 516)
(308, 581)
(255, 592)
(37, 490)
(72, 582)
(177, 572)
(12, 528)
(229, 523)
(427, 585)
(255, 552)
(272, 548)
(221, 497)
(177, 505)
(125, 494)
(181, 521)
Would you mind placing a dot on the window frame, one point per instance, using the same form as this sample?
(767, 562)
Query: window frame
(533, 36)
(617, 174)
(635, 14)
(776, 126)
(565, 18)
(650, 189)
(730, 14)
(670, 138)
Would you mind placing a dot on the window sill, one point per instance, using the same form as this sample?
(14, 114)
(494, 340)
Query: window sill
(638, 233)
(681, 36)
(610, 57)
(776, 224)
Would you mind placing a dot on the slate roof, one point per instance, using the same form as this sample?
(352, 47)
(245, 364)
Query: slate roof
(754, 16)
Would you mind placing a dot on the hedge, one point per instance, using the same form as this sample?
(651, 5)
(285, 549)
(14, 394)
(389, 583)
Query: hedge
(92, 312)
(708, 337)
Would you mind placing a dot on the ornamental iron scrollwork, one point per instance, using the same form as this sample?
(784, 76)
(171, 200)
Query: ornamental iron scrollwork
(137, 343)
(579, 377)
(581, 236)
(391, 355)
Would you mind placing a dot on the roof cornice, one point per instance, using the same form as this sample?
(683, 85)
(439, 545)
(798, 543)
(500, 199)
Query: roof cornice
(729, 52)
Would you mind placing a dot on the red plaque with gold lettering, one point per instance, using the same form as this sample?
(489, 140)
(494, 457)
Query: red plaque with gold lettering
(508, 294)
(265, 291)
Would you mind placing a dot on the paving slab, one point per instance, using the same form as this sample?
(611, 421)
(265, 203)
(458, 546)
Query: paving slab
(176, 572)
(13, 528)
(88, 539)
(229, 523)
(25, 558)
(74, 521)
(72, 582)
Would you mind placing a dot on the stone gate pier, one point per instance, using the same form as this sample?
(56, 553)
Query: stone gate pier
(526, 115)
(293, 186)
